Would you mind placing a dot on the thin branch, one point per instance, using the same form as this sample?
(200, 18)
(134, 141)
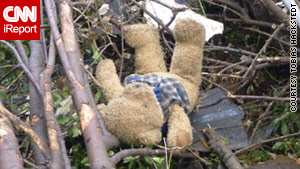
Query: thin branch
(222, 63)
(251, 70)
(48, 73)
(254, 61)
(250, 97)
(24, 67)
(267, 34)
(21, 50)
(260, 118)
(267, 141)
(145, 152)
(86, 8)
(153, 17)
(52, 125)
(222, 48)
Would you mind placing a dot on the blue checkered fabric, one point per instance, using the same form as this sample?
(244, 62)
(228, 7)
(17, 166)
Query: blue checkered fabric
(168, 91)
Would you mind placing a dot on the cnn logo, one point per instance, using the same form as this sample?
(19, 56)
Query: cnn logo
(20, 20)
(19, 13)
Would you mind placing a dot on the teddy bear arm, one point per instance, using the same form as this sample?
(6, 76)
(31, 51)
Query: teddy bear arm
(188, 52)
(108, 78)
(179, 127)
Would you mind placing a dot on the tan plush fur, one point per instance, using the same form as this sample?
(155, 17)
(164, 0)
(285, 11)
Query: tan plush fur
(149, 55)
(179, 127)
(133, 113)
(136, 117)
(187, 56)
(107, 76)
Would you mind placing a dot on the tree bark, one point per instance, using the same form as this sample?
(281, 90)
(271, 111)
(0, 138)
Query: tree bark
(9, 151)
(222, 150)
(276, 11)
(37, 113)
(90, 127)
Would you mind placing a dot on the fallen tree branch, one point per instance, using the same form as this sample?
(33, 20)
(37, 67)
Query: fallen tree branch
(9, 147)
(27, 129)
(277, 12)
(90, 127)
(146, 152)
(218, 146)
(37, 112)
(52, 125)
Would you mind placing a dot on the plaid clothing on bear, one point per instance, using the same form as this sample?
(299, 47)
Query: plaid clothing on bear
(168, 91)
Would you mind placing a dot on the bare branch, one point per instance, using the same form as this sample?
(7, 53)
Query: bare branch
(153, 17)
(260, 118)
(24, 67)
(263, 49)
(266, 141)
(270, 5)
(9, 151)
(37, 114)
(27, 129)
(219, 147)
(89, 124)
(21, 50)
(145, 152)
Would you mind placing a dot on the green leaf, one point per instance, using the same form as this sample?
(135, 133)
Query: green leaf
(284, 129)
(3, 96)
(76, 132)
(85, 160)
(131, 164)
(56, 97)
(95, 51)
(66, 91)
(129, 158)
(277, 146)
(148, 160)
(98, 95)
(111, 153)
(158, 160)
(141, 166)
(63, 120)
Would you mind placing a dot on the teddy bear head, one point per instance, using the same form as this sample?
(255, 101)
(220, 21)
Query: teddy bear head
(136, 107)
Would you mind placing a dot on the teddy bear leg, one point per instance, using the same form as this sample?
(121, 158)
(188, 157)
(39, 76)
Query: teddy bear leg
(108, 78)
(179, 128)
(187, 57)
(145, 40)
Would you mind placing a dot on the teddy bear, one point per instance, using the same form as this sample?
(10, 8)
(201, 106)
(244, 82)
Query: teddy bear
(154, 103)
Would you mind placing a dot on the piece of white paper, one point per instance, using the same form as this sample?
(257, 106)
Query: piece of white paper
(165, 14)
